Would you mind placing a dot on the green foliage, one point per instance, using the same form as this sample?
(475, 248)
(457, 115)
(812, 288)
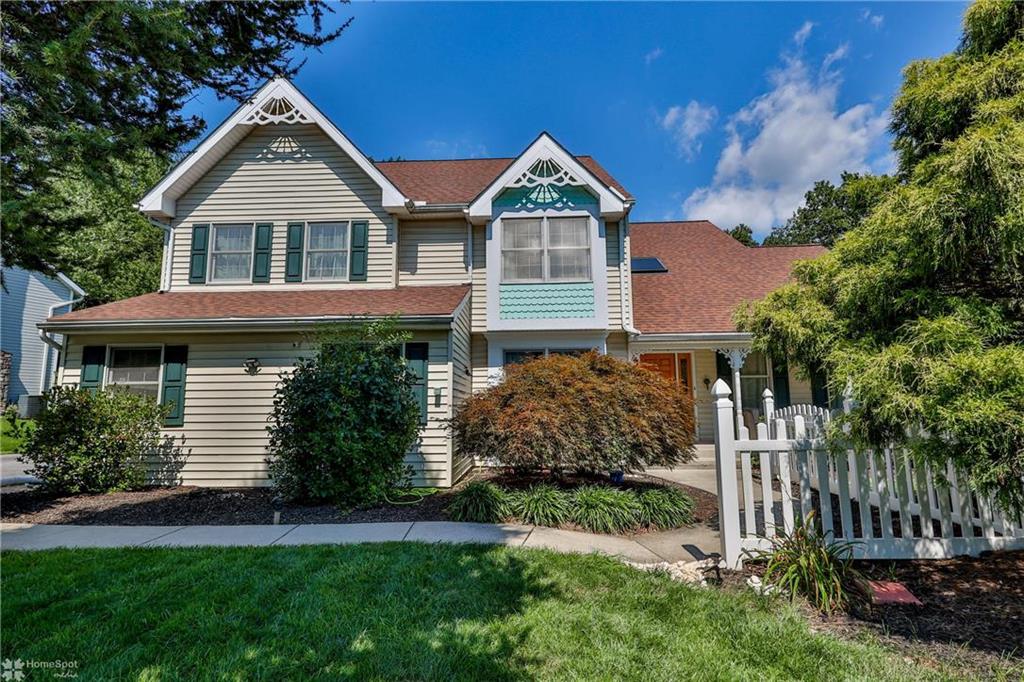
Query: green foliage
(664, 508)
(344, 419)
(93, 442)
(805, 563)
(480, 502)
(830, 212)
(601, 509)
(542, 505)
(591, 414)
(743, 234)
(87, 84)
(921, 306)
(13, 430)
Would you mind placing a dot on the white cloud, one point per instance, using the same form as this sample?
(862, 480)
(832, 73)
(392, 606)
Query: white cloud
(653, 55)
(802, 33)
(834, 56)
(687, 125)
(783, 141)
(876, 20)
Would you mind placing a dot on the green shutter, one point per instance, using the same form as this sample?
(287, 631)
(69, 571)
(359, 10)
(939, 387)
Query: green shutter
(416, 356)
(357, 252)
(261, 253)
(780, 383)
(197, 263)
(293, 257)
(91, 375)
(819, 388)
(172, 392)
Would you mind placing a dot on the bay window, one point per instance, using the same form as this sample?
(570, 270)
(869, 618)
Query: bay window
(545, 249)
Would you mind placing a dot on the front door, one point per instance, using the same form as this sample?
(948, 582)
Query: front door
(660, 363)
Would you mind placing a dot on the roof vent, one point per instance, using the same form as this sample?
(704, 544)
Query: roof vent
(647, 265)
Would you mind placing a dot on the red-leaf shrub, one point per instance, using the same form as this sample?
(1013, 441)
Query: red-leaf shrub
(591, 413)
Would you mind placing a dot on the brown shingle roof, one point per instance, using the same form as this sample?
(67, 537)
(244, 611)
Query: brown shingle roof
(252, 305)
(709, 274)
(460, 181)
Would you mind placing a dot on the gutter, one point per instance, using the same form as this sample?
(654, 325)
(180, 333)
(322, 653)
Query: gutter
(214, 324)
(51, 342)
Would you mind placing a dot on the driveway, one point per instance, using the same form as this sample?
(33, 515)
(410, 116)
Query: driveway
(12, 472)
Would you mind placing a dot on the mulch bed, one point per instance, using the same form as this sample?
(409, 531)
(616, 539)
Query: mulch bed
(187, 505)
(972, 615)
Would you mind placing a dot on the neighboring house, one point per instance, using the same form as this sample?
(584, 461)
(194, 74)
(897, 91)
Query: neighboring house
(277, 223)
(26, 299)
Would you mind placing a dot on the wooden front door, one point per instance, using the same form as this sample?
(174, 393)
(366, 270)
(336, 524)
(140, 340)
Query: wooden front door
(660, 363)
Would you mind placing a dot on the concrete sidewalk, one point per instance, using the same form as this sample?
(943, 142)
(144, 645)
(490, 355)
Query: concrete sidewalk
(682, 544)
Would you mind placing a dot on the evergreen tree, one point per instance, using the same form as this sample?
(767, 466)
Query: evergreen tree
(921, 305)
(743, 234)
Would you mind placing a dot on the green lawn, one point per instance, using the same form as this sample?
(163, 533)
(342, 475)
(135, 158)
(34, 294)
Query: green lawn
(400, 611)
(8, 443)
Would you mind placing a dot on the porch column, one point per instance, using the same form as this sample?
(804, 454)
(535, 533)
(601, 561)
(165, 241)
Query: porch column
(737, 356)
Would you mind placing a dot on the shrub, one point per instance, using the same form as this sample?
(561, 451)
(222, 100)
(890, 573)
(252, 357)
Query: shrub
(601, 509)
(93, 442)
(805, 563)
(542, 505)
(591, 413)
(664, 508)
(344, 419)
(481, 502)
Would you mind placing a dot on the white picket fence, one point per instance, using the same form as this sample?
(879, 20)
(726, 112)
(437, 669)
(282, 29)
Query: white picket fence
(881, 500)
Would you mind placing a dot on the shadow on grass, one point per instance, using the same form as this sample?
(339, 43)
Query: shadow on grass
(357, 612)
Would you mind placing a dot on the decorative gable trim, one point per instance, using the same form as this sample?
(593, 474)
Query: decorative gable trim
(277, 102)
(541, 169)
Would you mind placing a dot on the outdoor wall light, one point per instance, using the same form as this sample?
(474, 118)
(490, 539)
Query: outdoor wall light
(707, 383)
(252, 366)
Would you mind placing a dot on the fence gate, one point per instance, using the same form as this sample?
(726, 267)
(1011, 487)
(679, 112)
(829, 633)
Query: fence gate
(888, 505)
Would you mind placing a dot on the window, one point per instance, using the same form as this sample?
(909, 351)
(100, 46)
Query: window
(545, 249)
(231, 255)
(137, 369)
(647, 265)
(515, 357)
(327, 247)
(754, 378)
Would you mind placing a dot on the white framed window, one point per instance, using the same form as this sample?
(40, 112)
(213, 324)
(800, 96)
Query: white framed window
(327, 250)
(517, 356)
(136, 368)
(231, 252)
(545, 249)
(754, 378)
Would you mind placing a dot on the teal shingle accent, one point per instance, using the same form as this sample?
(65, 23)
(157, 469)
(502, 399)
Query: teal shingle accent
(546, 301)
(544, 196)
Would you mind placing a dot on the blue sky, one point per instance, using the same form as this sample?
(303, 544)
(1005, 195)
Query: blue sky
(727, 111)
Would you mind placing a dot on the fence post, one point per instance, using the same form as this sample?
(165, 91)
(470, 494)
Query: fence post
(725, 468)
(769, 411)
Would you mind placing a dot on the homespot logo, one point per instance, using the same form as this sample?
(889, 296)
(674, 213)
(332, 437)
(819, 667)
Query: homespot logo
(15, 670)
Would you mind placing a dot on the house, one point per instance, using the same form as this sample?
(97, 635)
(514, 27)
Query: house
(277, 223)
(27, 298)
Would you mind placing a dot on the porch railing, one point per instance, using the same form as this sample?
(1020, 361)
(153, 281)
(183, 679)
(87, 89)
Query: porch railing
(890, 506)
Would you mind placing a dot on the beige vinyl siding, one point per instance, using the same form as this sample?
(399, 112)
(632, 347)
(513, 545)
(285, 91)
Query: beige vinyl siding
(224, 439)
(479, 287)
(478, 346)
(462, 380)
(617, 345)
(279, 174)
(799, 389)
(704, 366)
(433, 252)
(614, 275)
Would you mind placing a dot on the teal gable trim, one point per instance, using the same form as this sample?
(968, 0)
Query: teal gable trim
(546, 301)
(544, 196)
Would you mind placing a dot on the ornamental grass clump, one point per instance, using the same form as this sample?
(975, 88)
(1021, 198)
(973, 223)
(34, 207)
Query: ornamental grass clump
(807, 563)
(601, 509)
(542, 505)
(664, 508)
(480, 502)
(587, 414)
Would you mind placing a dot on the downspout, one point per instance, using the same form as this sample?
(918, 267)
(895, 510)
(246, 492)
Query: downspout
(624, 298)
(165, 270)
(52, 342)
